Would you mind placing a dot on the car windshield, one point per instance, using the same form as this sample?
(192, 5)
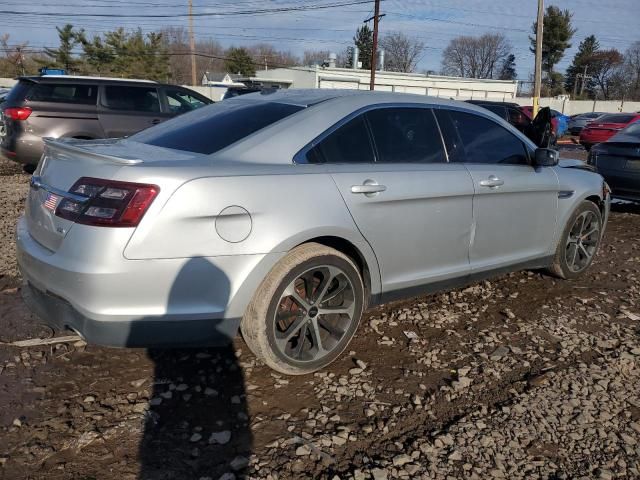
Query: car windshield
(215, 127)
(616, 118)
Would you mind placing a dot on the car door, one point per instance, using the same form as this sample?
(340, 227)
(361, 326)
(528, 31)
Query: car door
(412, 206)
(127, 109)
(514, 205)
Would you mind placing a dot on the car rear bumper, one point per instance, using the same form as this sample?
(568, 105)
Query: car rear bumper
(143, 332)
(26, 149)
(140, 303)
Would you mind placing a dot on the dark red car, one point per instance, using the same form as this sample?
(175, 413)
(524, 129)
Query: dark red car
(605, 127)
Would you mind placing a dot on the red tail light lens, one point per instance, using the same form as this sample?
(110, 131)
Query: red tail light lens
(110, 203)
(17, 113)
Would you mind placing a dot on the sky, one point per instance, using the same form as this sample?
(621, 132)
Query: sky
(434, 22)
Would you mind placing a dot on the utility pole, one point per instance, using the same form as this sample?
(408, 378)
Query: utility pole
(584, 79)
(192, 45)
(374, 50)
(538, 69)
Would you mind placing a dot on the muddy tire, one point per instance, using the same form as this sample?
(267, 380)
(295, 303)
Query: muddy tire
(306, 311)
(579, 242)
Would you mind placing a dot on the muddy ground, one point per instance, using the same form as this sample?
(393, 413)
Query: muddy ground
(523, 376)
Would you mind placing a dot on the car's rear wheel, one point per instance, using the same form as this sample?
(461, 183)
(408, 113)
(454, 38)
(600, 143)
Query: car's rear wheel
(306, 311)
(579, 242)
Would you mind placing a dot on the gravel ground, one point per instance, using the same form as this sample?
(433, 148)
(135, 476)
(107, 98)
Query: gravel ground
(523, 376)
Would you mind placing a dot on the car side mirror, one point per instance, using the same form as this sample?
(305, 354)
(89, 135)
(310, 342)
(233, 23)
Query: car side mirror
(546, 157)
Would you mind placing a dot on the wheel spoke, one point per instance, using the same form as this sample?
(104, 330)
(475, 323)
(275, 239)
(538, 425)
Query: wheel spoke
(297, 353)
(292, 329)
(572, 251)
(336, 310)
(342, 285)
(333, 331)
(314, 330)
(585, 252)
(321, 291)
(309, 283)
(291, 292)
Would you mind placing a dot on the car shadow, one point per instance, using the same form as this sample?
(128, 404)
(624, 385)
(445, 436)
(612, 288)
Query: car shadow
(197, 422)
(625, 207)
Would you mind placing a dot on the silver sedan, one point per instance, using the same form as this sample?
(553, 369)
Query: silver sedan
(285, 215)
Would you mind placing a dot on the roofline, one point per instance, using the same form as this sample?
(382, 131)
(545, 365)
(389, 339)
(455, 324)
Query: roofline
(38, 78)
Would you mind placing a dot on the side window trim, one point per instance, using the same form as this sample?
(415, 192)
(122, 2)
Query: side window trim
(301, 156)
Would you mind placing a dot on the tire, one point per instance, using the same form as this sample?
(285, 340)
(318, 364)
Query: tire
(296, 291)
(579, 242)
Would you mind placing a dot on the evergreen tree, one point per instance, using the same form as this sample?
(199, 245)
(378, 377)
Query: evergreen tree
(63, 56)
(584, 57)
(508, 69)
(239, 61)
(557, 33)
(363, 39)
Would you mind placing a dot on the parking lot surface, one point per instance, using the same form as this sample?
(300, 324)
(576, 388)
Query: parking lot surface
(524, 376)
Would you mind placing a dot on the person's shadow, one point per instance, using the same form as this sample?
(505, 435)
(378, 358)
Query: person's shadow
(197, 424)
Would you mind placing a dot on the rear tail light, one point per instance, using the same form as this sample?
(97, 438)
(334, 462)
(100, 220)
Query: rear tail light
(109, 203)
(17, 113)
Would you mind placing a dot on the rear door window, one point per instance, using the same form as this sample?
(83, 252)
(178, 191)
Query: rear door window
(216, 127)
(63, 93)
(135, 99)
(476, 139)
(350, 143)
(406, 135)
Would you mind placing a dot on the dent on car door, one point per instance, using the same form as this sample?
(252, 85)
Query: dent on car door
(514, 205)
(412, 207)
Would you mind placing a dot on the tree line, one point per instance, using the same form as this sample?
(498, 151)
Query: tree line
(165, 56)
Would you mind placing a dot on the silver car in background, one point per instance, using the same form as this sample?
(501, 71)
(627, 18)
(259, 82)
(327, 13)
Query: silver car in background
(578, 122)
(287, 214)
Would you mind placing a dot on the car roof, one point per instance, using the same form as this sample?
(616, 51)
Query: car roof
(83, 79)
(309, 97)
(492, 102)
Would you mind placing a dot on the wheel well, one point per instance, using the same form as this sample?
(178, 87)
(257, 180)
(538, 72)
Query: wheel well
(351, 251)
(82, 137)
(599, 203)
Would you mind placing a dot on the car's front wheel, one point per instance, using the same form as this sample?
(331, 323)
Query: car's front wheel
(306, 310)
(579, 242)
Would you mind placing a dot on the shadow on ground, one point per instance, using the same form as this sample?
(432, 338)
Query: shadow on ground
(197, 424)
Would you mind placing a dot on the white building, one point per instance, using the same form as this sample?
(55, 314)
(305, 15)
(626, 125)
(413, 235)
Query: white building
(358, 79)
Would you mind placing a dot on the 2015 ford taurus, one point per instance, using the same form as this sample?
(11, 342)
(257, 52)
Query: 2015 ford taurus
(287, 214)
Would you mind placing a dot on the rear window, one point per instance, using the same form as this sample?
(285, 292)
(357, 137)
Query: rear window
(616, 118)
(63, 93)
(215, 127)
(18, 92)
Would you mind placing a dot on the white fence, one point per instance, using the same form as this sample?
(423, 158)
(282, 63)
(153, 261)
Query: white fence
(572, 107)
(568, 107)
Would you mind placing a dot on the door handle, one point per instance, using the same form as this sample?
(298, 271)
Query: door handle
(368, 188)
(156, 121)
(492, 182)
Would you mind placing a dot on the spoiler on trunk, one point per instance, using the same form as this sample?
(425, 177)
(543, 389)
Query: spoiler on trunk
(68, 146)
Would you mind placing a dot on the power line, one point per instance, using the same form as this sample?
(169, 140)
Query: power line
(299, 8)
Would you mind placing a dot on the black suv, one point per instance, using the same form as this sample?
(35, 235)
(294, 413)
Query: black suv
(86, 108)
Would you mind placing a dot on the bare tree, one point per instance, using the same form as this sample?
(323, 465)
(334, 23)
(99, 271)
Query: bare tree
(475, 57)
(402, 53)
(12, 56)
(631, 71)
(606, 68)
(266, 56)
(315, 57)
